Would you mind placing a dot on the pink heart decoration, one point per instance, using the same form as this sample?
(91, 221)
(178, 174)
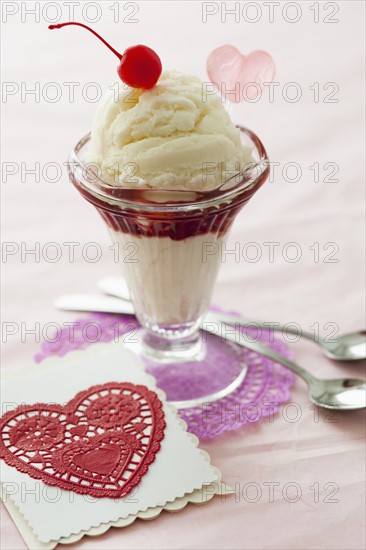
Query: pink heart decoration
(231, 70)
(100, 443)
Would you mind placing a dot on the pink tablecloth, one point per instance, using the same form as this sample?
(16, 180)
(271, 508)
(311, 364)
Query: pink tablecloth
(315, 460)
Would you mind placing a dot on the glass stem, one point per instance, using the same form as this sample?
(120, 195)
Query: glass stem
(159, 348)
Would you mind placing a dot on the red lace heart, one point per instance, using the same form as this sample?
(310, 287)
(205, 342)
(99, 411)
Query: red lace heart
(100, 443)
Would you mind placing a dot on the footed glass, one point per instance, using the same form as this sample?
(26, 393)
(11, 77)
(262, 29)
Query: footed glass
(169, 245)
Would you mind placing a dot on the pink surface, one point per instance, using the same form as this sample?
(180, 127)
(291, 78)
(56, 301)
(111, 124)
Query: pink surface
(299, 451)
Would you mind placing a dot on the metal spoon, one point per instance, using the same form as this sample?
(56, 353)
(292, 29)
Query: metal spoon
(347, 347)
(339, 394)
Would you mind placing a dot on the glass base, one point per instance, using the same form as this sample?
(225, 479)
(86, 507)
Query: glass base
(204, 371)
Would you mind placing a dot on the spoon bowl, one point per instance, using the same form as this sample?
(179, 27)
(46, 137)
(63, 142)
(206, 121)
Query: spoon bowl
(349, 347)
(346, 394)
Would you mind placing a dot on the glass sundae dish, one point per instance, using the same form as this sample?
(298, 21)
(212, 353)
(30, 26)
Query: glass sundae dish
(168, 171)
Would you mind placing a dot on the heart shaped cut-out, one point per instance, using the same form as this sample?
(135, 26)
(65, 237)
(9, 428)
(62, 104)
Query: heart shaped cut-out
(100, 443)
(101, 461)
(239, 76)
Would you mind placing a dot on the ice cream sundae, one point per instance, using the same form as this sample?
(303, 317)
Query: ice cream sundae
(168, 171)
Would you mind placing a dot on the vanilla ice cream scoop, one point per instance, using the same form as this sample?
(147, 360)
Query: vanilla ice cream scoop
(170, 137)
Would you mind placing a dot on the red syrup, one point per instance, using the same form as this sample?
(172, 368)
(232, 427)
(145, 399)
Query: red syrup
(161, 220)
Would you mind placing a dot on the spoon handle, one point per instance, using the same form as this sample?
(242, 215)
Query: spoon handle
(234, 320)
(114, 286)
(261, 349)
(95, 303)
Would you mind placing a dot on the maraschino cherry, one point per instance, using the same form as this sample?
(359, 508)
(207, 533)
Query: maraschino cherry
(139, 66)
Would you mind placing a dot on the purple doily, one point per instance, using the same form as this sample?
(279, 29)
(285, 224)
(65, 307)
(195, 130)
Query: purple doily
(265, 388)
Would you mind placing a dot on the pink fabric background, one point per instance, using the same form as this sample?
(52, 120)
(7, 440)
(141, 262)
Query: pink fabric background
(305, 452)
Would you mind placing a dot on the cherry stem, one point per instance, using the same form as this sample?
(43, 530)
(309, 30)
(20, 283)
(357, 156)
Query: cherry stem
(60, 25)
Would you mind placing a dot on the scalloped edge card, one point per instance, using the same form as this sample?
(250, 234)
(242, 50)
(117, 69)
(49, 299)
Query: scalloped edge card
(47, 515)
